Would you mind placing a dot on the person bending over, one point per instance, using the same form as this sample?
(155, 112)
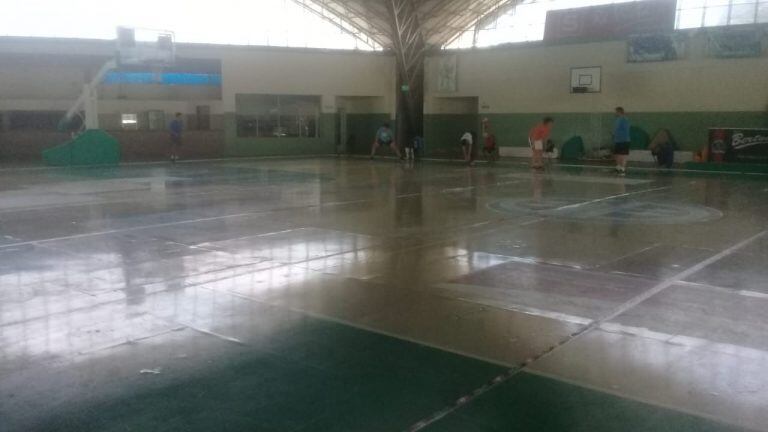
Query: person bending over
(537, 139)
(467, 141)
(384, 137)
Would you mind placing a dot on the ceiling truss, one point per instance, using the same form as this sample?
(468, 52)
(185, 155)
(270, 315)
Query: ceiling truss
(440, 22)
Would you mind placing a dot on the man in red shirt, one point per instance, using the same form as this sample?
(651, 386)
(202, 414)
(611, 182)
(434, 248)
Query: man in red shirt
(538, 138)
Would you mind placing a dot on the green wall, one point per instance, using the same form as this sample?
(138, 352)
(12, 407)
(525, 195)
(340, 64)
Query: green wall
(690, 129)
(325, 144)
(364, 127)
(442, 133)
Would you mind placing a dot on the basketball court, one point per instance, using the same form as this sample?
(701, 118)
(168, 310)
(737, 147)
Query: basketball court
(206, 224)
(340, 294)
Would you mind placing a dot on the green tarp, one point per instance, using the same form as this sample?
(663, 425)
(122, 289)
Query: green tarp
(573, 149)
(92, 147)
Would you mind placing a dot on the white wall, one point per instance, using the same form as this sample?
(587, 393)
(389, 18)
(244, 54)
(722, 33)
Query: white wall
(304, 72)
(535, 78)
(41, 82)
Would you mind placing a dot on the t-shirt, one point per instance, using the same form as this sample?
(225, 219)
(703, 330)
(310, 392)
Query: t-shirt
(467, 137)
(490, 141)
(540, 132)
(384, 135)
(621, 130)
(176, 127)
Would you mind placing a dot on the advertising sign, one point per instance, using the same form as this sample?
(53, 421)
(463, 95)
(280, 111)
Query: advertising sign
(738, 145)
(611, 21)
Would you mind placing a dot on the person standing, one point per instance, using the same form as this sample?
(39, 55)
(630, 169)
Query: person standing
(384, 137)
(467, 141)
(176, 131)
(621, 141)
(489, 142)
(537, 139)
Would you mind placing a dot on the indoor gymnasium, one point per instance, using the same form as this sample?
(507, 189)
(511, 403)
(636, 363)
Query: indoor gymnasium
(384, 215)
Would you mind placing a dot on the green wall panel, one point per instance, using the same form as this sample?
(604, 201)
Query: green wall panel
(442, 133)
(690, 129)
(363, 127)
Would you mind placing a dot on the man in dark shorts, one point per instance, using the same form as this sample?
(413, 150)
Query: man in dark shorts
(176, 129)
(621, 141)
(384, 137)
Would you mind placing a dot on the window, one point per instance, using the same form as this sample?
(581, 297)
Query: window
(712, 13)
(527, 21)
(129, 121)
(35, 120)
(261, 22)
(523, 23)
(203, 117)
(277, 116)
(156, 120)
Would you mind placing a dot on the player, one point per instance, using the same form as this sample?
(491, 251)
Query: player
(384, 137)
(537, 138)
(176, 129)
(489, 142)
(621, 141)
(467, 141)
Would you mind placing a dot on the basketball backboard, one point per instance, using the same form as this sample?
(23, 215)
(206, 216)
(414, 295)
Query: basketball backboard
(145, 47)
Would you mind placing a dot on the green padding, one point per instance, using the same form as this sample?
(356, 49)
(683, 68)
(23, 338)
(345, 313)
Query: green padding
(640, 138)
(93, 147)
(573, 149)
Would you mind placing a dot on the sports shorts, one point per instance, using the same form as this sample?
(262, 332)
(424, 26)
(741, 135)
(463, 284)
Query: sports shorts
(621, 148)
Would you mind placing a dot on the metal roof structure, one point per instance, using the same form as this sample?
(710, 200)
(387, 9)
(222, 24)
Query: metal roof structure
(410, 28)
(439, 22)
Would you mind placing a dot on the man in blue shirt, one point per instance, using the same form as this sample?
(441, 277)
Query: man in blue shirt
(385, 137)
(176, 129)
(621, 141)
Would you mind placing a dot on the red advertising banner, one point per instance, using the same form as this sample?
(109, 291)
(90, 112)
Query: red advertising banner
(611, 21)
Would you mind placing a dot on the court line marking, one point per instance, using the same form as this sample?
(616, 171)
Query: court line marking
(732, 291)
(501, 379)
(612, 197)
(192, 221)
(627, 255)
(347, 323)
(607, 168)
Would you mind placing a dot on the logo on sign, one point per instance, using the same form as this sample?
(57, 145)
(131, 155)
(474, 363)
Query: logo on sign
(741, 142)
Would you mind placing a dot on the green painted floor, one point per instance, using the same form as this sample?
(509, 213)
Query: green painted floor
(324, 376)
(533, 403)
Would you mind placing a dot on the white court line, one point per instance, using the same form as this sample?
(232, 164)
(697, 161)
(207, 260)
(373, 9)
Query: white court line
(210, 333)
(745, 293)
(462, 401)
(585, 203)
(181, 222)
(675, 279)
